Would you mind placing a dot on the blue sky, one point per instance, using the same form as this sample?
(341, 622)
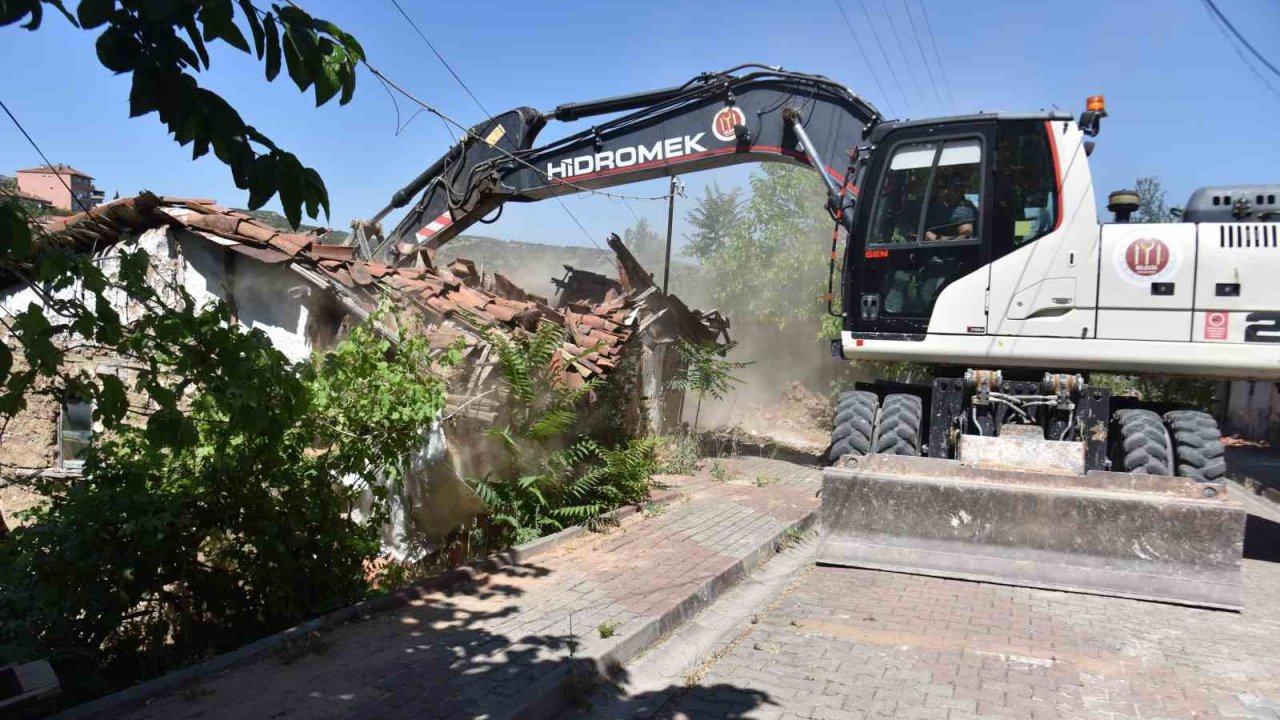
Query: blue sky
(1183, 106)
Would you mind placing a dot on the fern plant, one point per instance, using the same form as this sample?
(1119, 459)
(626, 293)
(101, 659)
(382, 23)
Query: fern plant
(547, 482)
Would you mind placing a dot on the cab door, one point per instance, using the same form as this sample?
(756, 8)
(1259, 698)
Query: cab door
(920, 235)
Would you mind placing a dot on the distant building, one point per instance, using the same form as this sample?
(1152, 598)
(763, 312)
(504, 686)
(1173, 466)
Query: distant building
(36, 200)
(62, 186)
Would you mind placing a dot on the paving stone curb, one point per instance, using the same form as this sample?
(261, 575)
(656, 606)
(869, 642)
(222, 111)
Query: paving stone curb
(132, 697)
(577, 678)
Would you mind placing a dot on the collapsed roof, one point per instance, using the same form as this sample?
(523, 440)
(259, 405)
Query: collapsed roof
(455, 301)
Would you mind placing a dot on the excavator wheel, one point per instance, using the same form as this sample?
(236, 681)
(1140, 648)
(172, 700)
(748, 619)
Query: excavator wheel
(898, 432)
(1142, 446)
(854, 424)
(1197, 445)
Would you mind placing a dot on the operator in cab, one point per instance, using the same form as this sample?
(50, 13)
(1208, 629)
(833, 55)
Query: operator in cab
(951, 216)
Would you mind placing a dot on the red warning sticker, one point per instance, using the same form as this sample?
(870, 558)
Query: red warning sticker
(1215, 325)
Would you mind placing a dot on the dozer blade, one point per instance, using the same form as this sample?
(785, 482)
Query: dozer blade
(1146, 537)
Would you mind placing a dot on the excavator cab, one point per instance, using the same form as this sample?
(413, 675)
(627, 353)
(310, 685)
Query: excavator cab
(946, 198)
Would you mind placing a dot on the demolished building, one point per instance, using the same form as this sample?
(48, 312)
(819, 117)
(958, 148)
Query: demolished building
(304, 294)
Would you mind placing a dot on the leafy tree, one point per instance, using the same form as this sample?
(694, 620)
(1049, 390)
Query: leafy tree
(705, 372)
(210, 510)
(713, 218)
(769, 268)
(164, 44)
(216, 519)
(646, 244)
(1152, 205)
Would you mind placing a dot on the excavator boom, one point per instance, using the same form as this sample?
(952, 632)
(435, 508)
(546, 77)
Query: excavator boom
(750, 113)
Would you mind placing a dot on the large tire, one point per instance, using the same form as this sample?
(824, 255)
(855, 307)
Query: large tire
(1197, 445)
(854, 424)
(898, 432)
(1142, 446)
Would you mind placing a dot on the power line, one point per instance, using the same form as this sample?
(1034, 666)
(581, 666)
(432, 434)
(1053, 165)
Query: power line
(467, 131)
(479, 104)
(865, 59)
(1239, 53)
(440, 57)
(920, 46)
(1214, 9)
(942, 67)
(876, 34)
(386, 82)
(378, 74)
(902, 49)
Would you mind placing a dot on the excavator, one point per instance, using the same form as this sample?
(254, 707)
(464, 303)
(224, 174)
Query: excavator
(972, 245)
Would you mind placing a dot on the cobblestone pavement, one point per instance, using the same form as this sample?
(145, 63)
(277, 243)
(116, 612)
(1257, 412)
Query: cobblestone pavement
(842, 643)
(477, 652)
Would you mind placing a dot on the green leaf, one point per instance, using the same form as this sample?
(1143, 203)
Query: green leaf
(255, 27)
(289, 185)
(348, 87)
(329, 80)
(112, 403)
(6, 363)
(142, 94)
(295, 61)
(273, 47)
(218, 17)
(93, 13)
(168, 427)
(118, 50)
(193, 32)
(15, 231)
(36, 335)
(317, 196)
(262, 181)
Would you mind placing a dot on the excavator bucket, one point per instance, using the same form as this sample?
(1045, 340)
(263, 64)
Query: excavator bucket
(1138, 536)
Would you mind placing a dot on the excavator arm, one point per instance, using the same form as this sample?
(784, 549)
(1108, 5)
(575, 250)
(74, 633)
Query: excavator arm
(750, 113)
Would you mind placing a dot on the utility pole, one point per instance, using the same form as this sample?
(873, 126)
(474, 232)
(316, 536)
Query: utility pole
(676, 187)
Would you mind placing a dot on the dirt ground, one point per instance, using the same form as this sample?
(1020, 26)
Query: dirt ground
(797, 418)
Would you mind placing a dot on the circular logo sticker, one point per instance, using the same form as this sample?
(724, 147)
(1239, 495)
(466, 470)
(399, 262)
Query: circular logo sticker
(1146, 259)
(724, 122)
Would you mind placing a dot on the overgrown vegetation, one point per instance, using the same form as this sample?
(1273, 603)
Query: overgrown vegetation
(211, 510)
(678, 454)
(764, 254)
(546, 483)
(705, 371)
(219, 516)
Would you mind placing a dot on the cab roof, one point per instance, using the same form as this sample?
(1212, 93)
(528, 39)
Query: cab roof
(884, 128)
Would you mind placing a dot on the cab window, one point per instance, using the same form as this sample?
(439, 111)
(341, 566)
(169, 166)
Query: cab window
(901, 195)
(930, 192)
(1026, 184)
